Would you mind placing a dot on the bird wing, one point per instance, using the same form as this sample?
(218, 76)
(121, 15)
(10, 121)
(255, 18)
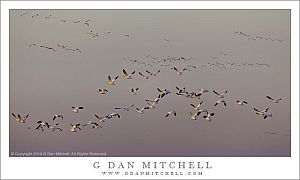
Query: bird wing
(109, 79)
(216, 93)
(125, 73)
(270, 98)
(141, 74)
(14, 115)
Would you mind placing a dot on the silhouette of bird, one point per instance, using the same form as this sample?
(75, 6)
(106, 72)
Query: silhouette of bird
(58, 116)
(220, 95)
(125, 108)
(126, 75)
(75, 109)
(273, 100)
(241, 102)
(141, 111)
(19, 118)
(102, 91)
(170, 112)
(133, 91)
(73, 128)
(112, 81)
(264, 114)
(220, 101)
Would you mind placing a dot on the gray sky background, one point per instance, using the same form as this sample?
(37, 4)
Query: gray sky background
(44, 83)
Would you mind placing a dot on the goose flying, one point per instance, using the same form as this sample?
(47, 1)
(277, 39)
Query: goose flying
(19, 118)
(112, 81)
(76, 109)
(170, 112)
(273, 100)
(73, 128)
(220, 95)
(126, 75)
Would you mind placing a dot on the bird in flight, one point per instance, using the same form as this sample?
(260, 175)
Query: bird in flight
(19, 118)
(241, 102)
(126, 75)
(141, 111)
(198, 107)
(75, 109)
(54, 127)
(125, 108)
(220, 95)
(170, 112)
(145, 77)
(195, 115)
(220, 101)
(58, 116)
(178, 71)
(133, 91)
(41, 125)
(208, 116)
(264, 114)
(273, 100)
(102, 91)
(73, 128)
(112, 81)
(94, 124)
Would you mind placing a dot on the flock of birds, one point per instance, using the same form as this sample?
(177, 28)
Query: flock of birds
(256, 37)
(196, 109)
(169, 61)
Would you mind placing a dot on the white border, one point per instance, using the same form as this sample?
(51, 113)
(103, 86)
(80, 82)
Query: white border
(223, 168)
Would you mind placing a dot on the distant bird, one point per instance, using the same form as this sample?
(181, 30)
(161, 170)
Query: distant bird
(170, 112)
(151, 105)
(162, 93)
(133, 91)
(113, 115)
(178, 71)
(54, 127)
(220, 101)
(220, 95)
(75, 109)
(240, 102)
(41, 125)
(33, 44)
(156, 100)
(203, 91)
(73, 128)
(208, 116)
(165, 39)
(62, 46)
(273, 100)
(101, 119)
(58, 116)
(264, 114)
(179, 90)
(19, 118)
(125, 108)
(145, 77)
(194, 116)
(127, 35)
(102, 91)
(141, 111)
(35, 15)
(198, 107)
(153, 74)
(95, 125)
(126, 75)
(112, 81)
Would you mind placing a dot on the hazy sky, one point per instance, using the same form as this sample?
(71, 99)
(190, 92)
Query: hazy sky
(44, 83)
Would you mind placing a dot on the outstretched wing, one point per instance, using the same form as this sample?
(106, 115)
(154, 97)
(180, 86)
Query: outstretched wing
(125, 73)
